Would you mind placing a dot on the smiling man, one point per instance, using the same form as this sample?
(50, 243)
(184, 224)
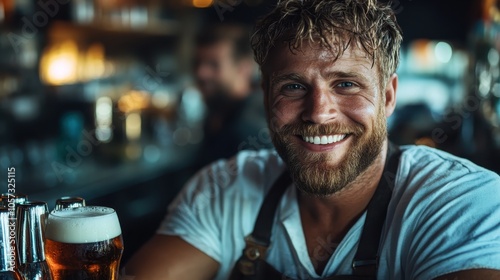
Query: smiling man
(335, 200)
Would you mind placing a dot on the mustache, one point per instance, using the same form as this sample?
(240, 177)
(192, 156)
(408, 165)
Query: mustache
(305, 129)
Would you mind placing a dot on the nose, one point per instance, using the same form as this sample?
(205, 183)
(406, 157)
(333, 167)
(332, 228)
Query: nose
(320, 106)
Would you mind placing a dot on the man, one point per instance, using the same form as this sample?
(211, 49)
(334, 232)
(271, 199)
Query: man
(328, 77)
(223, 71)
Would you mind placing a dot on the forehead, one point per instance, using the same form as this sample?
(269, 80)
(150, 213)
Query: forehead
(314, 57)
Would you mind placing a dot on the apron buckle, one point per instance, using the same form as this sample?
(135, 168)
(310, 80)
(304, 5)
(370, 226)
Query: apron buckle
(254, 249)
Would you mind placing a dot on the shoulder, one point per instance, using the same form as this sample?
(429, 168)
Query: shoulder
(253, 168)
(217, 206)
(444, 215)
(249, 173)
(428, 179)
(423, 156)
(435, 167)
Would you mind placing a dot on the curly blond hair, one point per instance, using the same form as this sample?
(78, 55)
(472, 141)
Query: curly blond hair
(335, 24)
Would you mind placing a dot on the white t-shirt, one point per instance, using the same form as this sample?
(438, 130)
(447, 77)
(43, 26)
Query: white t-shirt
(444, 216)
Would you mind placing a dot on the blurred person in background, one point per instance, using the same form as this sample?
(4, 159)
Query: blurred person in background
(336, 198)
(223, 71)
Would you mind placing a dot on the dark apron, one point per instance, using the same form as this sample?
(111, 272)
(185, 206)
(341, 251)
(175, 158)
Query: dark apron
(252, 265)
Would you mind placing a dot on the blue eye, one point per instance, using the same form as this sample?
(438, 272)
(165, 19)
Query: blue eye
(345, 84)
(293, 90)
(293, 87)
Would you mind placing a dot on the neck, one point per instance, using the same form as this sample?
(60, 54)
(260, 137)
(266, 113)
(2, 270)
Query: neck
(344, 207)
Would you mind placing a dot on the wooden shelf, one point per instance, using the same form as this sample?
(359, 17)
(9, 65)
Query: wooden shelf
(112, 34)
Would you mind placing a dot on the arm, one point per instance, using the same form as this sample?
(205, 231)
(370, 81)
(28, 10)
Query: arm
(189, 241)
(166, 257)
(472, 274)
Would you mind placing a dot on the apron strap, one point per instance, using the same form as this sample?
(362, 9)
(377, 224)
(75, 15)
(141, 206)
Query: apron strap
(365, 261)
(265, 220)
(251, 264)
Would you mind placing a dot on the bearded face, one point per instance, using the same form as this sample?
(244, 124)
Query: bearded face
(327, 114)
(315, 173)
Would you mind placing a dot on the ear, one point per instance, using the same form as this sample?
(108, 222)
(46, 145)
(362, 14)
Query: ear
(390, 95)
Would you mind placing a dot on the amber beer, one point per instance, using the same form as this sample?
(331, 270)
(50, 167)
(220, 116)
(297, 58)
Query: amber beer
(83, 243)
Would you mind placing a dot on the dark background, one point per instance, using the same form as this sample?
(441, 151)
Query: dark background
(34, 133)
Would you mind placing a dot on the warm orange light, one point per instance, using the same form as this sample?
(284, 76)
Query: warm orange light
(487, 9)
(202, 3)
(64, 63)
(59, 64)
(94, 62)
(422, 52)
(133, 126)
(133, 101)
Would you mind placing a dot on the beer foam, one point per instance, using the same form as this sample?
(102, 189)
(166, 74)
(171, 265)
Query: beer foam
(82, 225)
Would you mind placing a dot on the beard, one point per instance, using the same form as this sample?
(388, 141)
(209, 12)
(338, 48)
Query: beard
(312, 173)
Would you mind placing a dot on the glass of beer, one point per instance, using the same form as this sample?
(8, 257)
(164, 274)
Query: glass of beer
(83, 243)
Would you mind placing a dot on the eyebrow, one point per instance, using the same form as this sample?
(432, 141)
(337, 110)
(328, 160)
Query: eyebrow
(276, 79)
(342, 74)
(297, 77)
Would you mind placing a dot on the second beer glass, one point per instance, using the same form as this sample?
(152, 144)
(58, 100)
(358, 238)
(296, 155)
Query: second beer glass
(84, 243)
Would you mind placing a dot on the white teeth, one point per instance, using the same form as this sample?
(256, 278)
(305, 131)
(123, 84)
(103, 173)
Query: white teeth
(324, 140)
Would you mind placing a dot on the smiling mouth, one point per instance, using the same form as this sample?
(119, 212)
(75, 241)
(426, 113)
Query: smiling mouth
(324, 139)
